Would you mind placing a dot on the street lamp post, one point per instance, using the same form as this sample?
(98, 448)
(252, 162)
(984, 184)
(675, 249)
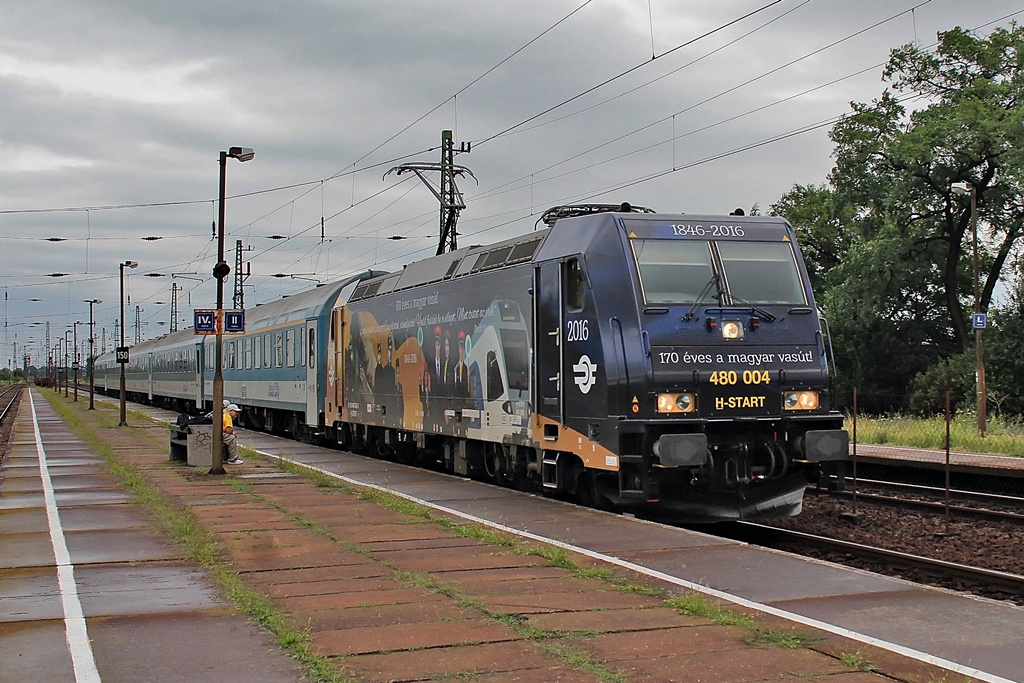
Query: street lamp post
(220, 271)
(122, 351)
(66, 366)
(74, 359)
(92, 356)
(966, 188)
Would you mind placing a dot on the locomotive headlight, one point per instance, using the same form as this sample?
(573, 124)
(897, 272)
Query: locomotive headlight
(676, 403)
(732, 329)
(800, 400)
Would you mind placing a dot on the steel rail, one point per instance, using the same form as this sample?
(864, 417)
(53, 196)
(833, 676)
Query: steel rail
(991, 578)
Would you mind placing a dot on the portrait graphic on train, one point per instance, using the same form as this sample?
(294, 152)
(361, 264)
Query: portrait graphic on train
(442, 370)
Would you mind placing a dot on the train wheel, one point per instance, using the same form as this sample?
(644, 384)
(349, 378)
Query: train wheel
(588, 494)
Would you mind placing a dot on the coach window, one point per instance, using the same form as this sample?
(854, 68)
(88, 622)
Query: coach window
(300, 346)
(256, 352)
(312, 347)
(574, 285)
(278, 350)
(289, 348)
(268, 351)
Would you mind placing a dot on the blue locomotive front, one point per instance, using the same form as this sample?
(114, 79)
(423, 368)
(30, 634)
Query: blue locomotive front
(681, 359)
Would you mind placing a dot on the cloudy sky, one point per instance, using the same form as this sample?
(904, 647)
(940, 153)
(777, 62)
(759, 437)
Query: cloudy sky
(113, 114)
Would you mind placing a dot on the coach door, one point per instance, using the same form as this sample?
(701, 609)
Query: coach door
(312, 370)
(197, 369)
(548, 310)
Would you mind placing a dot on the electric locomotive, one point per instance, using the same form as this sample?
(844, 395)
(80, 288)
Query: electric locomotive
(673, 364)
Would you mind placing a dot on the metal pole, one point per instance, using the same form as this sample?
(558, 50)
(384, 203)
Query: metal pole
(947, 460)
(74, 361)
(855, 451)
(979, 347)
(218, 376)
(123, 421)
(92, 355)
(67, 375)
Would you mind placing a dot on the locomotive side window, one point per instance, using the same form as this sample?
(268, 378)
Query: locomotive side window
(672, 271)
(762, 273)
(574, 292)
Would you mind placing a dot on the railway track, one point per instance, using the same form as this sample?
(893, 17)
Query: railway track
(989, 582)
(8, 401)
(961, 502)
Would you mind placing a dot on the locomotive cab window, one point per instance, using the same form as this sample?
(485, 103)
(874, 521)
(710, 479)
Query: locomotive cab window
(762, 273)
(574, 285)
(673, 271)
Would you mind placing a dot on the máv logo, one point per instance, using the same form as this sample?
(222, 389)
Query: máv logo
(585, 374)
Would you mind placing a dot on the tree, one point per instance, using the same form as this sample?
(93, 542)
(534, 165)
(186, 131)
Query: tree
(1003, 358)
(824, 224)
(888, 244)
(897, 169)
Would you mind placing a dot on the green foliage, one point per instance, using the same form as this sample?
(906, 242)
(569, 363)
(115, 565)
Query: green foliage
(890, 246)
(1004, 362)
(955, 375)
(1002, 437)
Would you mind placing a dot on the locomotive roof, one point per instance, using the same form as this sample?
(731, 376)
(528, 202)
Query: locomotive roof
(567, 236)
(308, 304)
(454, 264)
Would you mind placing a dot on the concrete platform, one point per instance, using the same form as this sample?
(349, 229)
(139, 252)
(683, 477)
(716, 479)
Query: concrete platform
(144, 612)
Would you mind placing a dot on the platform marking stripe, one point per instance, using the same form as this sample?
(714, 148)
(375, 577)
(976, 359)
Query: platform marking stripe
(653, 573)
(75, 633)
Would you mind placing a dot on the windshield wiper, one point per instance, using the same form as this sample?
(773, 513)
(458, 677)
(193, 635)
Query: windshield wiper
(760, 311)
(714, 281)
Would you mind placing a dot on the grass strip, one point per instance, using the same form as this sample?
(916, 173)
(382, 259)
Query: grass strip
(201, 547)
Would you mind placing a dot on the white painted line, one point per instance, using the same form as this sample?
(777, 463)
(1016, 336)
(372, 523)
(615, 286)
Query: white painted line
(75, 632)
(750, 604)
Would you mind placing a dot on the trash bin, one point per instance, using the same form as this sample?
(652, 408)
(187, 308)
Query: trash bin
(200, 445)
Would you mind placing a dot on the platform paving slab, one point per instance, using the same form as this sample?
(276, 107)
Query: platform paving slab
(149, 615)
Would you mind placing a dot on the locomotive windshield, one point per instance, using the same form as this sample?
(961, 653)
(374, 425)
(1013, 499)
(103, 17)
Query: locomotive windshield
(678, 271)
(672, 272)
(762, 273)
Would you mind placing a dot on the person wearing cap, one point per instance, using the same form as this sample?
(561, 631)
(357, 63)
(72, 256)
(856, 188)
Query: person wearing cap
(229, 440)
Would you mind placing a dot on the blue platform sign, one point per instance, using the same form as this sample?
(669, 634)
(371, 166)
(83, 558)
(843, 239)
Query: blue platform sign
(206, 321)
(234, 321)
(979, 321)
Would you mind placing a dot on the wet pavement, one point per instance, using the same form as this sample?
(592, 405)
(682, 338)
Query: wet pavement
(394, 593)
(121, 604)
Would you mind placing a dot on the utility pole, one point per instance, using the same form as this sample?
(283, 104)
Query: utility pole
(238, 302)
(138, 327)
(174, 307)
(447, 193)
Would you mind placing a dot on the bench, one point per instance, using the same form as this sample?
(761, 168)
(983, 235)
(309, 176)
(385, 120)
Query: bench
(178, 443)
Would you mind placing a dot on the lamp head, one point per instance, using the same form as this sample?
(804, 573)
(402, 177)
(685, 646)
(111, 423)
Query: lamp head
(131, 264)
(961, 188)
(241, 153)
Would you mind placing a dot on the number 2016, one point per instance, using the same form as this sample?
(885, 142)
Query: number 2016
(577, 331)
